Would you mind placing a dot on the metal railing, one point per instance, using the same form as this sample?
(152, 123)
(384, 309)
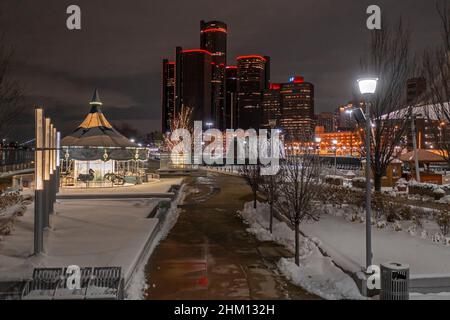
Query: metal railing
(97, 283)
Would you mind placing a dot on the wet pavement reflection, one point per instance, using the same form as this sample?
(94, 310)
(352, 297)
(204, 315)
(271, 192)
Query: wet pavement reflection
(209, 255)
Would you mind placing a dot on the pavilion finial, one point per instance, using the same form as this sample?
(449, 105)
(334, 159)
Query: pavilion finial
(96, 98)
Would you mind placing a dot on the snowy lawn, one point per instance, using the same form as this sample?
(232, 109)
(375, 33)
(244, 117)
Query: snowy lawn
(344, 240)
(316, 273)
(85, 233)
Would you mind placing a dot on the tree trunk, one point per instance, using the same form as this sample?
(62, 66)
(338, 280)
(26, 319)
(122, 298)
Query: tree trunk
(271, 218)
(297, 244)
(377, 181)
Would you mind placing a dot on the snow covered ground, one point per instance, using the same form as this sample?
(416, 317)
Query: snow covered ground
(84, 232)
(316, 273)
(345, 242)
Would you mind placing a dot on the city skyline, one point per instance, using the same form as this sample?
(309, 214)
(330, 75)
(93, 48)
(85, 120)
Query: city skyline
(123, 59)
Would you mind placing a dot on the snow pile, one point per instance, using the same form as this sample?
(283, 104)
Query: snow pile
(445, 200)
(138, 284)
(258, 220)
(316, 273)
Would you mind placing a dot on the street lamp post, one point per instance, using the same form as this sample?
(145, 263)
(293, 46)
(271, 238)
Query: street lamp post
(318, 141)
(335, 142)
(367, 87)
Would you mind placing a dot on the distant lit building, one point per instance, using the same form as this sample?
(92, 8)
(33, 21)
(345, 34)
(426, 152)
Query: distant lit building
(213, 38)
(415, 87)
(231, 108)
(297, 109)
(271, 106)
(326, 120)
(344, 120)
(168, 94)
(253, 78)
(344, 143)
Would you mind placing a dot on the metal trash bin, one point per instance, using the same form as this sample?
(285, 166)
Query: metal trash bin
(394, 281)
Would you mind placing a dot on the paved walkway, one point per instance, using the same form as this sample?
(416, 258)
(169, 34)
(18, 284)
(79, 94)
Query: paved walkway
(209, 255)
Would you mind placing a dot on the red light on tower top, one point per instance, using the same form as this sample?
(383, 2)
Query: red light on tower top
(214, 30)
(251, 56)
(296, 79)
(196, 50)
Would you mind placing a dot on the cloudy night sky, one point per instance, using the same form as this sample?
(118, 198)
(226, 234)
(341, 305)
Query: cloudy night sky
(121, 45)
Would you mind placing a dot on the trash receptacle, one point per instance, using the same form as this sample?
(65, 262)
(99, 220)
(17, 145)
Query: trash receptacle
(394, 281)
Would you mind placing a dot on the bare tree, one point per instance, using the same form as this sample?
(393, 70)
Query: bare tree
(298, 188)
(388, 57)
(11, 96)
(270, 188)
(436, 67)
(252, 175)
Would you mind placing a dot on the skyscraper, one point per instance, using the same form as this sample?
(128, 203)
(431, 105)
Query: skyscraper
(213, 38)
(168, 94)
(271, 106)
(297, 109)
(252, 74)
(194, 82)
(231, 110)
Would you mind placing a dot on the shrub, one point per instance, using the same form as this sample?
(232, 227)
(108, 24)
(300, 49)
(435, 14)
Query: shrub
(443, 220)
(334, 180)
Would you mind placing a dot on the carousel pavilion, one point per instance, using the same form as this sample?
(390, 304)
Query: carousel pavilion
(96, 154)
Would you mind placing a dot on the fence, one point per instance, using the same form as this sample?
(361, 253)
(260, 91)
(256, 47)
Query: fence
(16, 159)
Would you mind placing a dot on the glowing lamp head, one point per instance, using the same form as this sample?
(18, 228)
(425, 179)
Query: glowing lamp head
(367, 85)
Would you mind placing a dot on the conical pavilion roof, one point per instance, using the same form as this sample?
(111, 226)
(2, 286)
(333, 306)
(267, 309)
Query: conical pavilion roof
(96, 131)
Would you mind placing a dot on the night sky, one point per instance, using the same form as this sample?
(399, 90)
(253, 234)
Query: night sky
(121, 44)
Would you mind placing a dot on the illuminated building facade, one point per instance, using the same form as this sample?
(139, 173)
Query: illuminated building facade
(271, 106)
(168, 94)
(213, 38)
(344, 143)
(297, 109)
(253, 78)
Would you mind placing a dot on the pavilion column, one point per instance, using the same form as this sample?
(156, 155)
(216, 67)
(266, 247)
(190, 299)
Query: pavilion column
(46, 194)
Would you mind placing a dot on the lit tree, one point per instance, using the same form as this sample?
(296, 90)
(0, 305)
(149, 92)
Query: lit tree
(181, 120)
